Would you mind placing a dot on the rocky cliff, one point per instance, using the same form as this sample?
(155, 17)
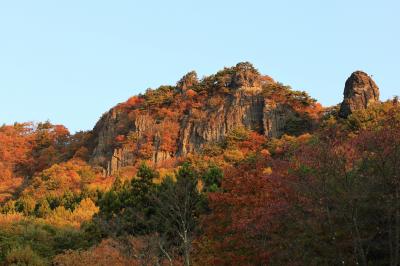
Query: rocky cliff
(173, 121)
(359, 91)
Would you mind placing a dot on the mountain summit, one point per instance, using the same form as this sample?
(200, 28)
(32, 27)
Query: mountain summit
(174, 121)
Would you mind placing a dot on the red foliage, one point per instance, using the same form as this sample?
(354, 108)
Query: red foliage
(134, 101)
(120, 138)
(169, 131)
(191, 93)
(145, 146)
(244, 215)
(51, 145)
(253, 143)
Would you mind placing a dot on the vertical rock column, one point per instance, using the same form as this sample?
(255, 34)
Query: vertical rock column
(359, 91)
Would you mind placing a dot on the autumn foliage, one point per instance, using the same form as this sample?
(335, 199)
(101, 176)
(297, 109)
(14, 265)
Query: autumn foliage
(326, 192)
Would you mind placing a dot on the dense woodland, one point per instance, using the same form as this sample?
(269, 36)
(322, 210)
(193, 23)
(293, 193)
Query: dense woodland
(326, 192)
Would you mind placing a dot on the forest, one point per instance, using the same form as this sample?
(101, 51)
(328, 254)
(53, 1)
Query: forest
(230, 169)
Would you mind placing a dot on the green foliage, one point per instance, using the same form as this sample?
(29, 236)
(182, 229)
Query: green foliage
(179, 205)
(375, 116)
(189, 81)
(87, 174)
(24, 256)
(127, 209)
(146, 174)
(36, 240)
(212, 149)
(42, 209)
(68, 200)
(26, 205)
(143, 208)
(235, 136)
(330, 198)
(238, 134)
(298, 125)
(8, 207)
(161, 96)
(212, 179)
(244, 74)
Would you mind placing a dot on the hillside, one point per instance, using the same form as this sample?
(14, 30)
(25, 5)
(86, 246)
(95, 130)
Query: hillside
(231, 169)
(173, 121)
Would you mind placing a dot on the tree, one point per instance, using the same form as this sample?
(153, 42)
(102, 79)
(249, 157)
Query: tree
(212, 179)
(128, 209)
(42, 209)
(246, 213)
(26, 205)
(178, 209)
(24, 256)
(347, 204)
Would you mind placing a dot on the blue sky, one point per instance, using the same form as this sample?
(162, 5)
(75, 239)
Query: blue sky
(70, 61)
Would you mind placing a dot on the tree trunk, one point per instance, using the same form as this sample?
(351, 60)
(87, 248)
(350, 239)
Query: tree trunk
(186, 248)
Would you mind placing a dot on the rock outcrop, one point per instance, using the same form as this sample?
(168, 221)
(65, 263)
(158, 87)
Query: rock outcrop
(169, 123)
(275, 118)
(236, 110)
(359, 91)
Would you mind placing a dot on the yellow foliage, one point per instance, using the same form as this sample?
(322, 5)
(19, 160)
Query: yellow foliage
(265, 153)
(85, 211)
(267, 171)
(287, 142)
(74, 175)
(10, 218)
(82, 213)
(164, 172)
(233, 155)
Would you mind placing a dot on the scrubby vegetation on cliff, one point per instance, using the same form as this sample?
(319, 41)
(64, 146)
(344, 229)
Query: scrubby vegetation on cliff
(173, 121)
(230, 169)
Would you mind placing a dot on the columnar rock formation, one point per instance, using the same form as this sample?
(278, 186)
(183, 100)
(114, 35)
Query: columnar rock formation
(198, 112)
(359, 91)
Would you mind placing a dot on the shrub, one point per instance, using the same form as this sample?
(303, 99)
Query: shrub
(24, 256)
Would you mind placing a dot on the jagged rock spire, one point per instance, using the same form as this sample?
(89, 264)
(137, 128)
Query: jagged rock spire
(359, 91)
(188, 81)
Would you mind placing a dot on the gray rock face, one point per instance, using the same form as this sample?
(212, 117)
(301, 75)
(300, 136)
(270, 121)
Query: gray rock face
(107, 129)
(176, 121)
(246, 107)
(275, 119)
(359, 91)
(238, 110)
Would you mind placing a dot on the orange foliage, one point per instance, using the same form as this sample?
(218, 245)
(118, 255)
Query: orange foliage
(191, 93)
(10, 218)
(169, 136)
(120, 138)
(253, 143)
(105, 254)
(134, 252)
(134, 101)
(314, 111)
(146, 146)
(16, 143)
(74, 175)
(167, 113)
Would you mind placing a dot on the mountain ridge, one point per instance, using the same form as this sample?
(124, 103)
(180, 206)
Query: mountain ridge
(180, 119)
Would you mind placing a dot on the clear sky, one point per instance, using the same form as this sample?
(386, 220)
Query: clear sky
(70, 61)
